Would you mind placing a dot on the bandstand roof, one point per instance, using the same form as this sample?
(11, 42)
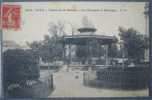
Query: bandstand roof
(83, 39)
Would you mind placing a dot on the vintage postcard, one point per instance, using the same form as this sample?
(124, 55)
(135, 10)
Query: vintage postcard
(75, 49)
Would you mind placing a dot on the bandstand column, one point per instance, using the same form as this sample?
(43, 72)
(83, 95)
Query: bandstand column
(88, 50)
(63, 58)
(106, 53)
(70, 58)
(98, 48)
(69, 55)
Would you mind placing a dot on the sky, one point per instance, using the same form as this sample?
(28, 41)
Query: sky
(106, 17)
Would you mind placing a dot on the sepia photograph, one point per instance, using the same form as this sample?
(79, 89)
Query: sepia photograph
(75, 49)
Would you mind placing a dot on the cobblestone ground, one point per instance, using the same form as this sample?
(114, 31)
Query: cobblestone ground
(67, 84)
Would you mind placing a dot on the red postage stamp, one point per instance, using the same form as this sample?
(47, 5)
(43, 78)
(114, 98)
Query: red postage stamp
(11, 16)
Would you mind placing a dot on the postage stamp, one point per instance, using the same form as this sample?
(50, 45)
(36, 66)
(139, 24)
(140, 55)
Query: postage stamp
(11, 16)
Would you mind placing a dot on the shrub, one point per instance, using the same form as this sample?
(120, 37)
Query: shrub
(19, 66)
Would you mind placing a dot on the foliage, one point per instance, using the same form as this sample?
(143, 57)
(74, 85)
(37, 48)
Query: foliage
(134, 44)
(82, 53)
(51, 48)
(95, 50)
(20, 66)
(113, 50)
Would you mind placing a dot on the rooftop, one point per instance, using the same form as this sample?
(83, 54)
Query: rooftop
(83, 39)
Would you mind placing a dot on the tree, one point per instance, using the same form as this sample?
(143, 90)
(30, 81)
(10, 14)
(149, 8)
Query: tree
(82, 53)
(54, 45)
(134, 44)
(51, 48)
(35, 46)
(93, 49)
(113, 50)
(57, 29)
(20, 66)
